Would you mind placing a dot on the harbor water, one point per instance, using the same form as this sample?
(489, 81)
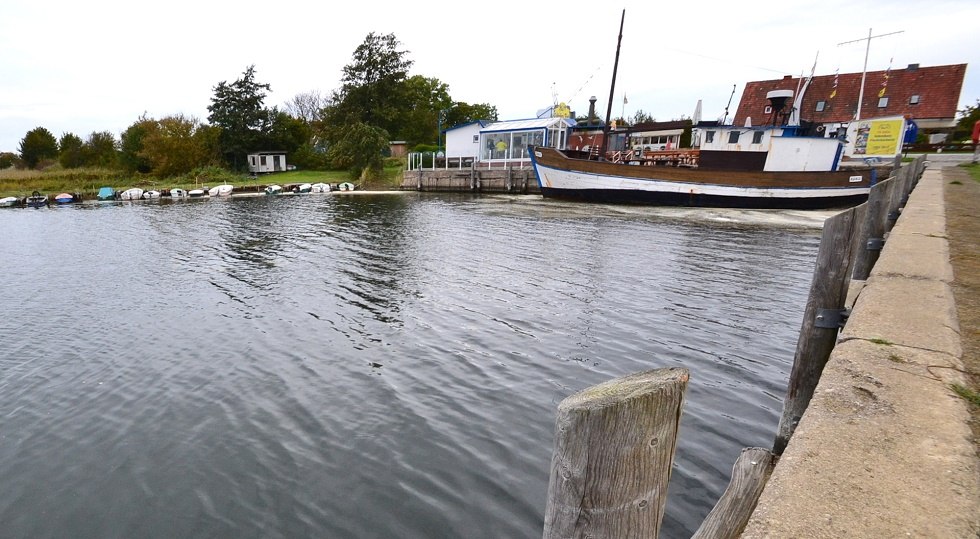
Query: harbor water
(369, 366)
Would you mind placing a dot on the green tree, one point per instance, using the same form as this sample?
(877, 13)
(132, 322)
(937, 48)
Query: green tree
(238, 109)
(964, 126)
(177, 144)
(131, 144)
(372, 90)
(8, 159)
(463, 113)
(70, 153)
(284, 132)
(358, 148)
(101, 149)
(37, 146)
(424, 110)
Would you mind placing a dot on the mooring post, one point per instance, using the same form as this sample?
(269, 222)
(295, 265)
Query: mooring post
(822, 319)
(731, 514)
(473, 175)
(510, 173)
(614, 446)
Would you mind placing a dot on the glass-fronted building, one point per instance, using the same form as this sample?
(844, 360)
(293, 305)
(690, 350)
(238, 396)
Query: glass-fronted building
(508, 141)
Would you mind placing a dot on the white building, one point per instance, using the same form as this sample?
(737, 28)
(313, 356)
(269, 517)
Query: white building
(263, 162)
(463, 141)
(508, 141)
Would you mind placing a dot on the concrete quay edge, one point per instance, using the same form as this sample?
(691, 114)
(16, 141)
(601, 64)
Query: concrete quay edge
(884, 448)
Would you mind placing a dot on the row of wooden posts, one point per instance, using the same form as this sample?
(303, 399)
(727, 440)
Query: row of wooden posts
(615, 442)
(475, 179)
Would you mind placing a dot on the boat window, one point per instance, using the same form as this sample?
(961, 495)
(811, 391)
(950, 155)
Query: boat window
(709, 137)
(883, 102)
(821, 105)
(733, 137)
(768, 109)
(757, 137)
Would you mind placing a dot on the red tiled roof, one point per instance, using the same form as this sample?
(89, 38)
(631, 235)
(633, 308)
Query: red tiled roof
(938, 88)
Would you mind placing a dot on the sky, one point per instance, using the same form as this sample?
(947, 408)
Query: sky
(100, 65)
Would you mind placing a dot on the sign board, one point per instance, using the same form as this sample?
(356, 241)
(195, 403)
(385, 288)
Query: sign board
(879, 137)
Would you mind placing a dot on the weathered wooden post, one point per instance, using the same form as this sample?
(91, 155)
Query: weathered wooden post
(614, 446)
(730, 515)
(473, 175)
(510, 176)
(822, 318)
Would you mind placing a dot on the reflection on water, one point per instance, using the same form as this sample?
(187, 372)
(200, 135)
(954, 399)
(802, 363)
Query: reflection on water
(371, 365)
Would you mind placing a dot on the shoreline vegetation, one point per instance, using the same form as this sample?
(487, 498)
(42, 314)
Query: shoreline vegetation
(87, 181)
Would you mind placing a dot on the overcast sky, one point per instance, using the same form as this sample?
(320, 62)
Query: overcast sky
(98, 65)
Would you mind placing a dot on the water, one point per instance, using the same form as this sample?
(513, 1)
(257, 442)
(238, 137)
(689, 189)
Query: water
(369, 366)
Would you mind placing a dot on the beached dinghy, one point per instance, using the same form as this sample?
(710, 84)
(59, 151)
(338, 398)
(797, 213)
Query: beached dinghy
(36, 200)
(150, 195)
(304, 188)
(196, 193)
(7, 202)
(221, 190)
(106, 193)
(65, 198)
(178, 193)
(273, 189)
(320, 188)
(134, 193)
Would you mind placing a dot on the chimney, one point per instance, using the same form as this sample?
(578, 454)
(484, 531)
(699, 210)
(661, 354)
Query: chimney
(591, 109)
(912, 67)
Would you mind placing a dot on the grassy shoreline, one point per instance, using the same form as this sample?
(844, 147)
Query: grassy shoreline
(88, 181)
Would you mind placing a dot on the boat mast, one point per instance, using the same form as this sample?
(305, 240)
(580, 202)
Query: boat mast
(612, 90)
(864, 72)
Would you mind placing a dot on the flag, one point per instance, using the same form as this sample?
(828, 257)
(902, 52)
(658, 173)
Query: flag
(884, 83)
(625, 101)
(833, 91)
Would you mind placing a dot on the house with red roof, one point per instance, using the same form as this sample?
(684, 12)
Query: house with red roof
(927, 95)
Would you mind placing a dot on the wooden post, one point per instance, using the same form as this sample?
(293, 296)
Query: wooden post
(828, 293)
(510, 173)
(473, 175)
(730, 515)
(873, 231)
(614, 446)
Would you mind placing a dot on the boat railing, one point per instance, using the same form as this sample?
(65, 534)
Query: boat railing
(678, 158)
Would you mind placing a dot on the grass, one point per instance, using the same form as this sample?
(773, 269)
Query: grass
(973, 169)
(87, 181)
(967, 394)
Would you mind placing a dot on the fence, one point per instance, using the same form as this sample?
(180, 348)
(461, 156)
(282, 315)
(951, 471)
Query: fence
(615, 442)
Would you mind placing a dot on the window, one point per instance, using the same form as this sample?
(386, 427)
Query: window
(476, 139)
(768, 109)
(709, 137)
(757, 137)
(733, 137)
(914, 100)
(262, 160)
(821, 105)
(882, 102)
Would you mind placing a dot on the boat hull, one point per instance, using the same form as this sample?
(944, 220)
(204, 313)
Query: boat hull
(594, 181)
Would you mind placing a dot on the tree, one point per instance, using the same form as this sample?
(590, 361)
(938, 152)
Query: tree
(640, 117)
(308, 107)
(372, 90)
(964, 126)
(238, 109)
(463, 113)
(426, 102)
(358, 148)
(70, 154)
(100, 150)
(131, 145)
(8, 159)
(36, 146)
(178, 144)
(283, 132)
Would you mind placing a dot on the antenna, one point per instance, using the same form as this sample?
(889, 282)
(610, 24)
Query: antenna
(864, 72)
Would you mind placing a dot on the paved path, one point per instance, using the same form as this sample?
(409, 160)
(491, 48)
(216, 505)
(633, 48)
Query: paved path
(885, 448)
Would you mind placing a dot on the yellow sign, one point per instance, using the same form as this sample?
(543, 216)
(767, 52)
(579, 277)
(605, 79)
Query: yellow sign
(562, 111)
(884, 136)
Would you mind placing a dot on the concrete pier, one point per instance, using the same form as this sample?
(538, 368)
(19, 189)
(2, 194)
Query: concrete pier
(885, 447)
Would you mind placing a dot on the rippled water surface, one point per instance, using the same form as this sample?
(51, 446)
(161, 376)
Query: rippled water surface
(369, 365)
